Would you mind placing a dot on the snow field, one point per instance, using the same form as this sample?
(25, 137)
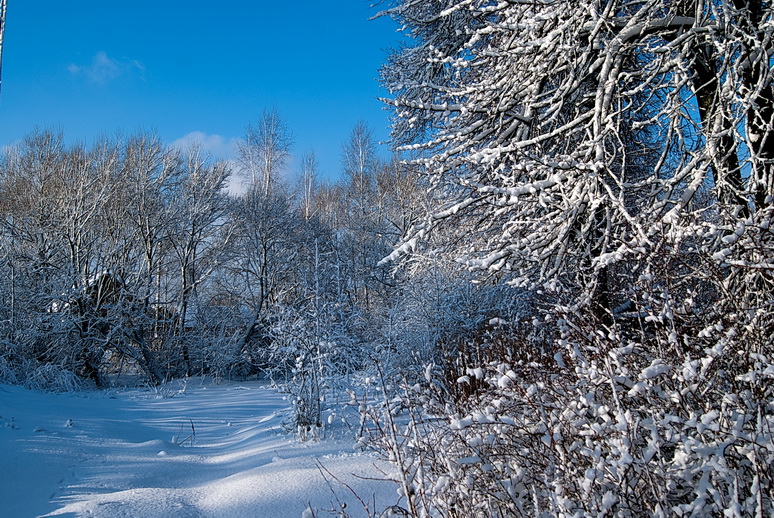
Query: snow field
(134, 453)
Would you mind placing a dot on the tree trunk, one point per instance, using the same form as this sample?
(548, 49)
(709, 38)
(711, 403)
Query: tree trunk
(718, 131)
(756, 77)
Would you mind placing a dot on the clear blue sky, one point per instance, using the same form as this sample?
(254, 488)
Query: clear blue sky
(196, 69)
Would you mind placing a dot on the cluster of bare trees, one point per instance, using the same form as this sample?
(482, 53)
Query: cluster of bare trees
(131, 256)
(103, 250)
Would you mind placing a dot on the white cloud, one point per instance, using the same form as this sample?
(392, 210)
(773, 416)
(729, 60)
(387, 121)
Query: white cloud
(104, 69)
(217, 146)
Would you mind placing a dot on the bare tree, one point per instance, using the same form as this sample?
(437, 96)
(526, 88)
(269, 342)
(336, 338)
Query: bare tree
(359, 160)
(308, 183)
(524, 141)
(265, 150)
(148, 178)
(265, 257)
(359, 212)
(198, 211)
(77, 253)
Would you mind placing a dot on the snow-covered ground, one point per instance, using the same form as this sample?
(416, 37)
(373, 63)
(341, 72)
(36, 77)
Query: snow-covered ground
(131, 453)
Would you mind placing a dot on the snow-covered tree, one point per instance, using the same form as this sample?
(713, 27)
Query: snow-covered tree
(264, 151)
(614, 159)
(358, 158)
(75, 254)
(264, 262)
(307, 183)
(519, 112)
(198, 207)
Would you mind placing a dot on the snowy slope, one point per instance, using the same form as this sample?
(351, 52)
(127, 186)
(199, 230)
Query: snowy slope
(130, 453)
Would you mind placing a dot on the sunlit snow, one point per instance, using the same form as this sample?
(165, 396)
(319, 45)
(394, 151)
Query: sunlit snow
(192, 450)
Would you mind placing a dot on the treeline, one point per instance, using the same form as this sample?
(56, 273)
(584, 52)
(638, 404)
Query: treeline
(131, 256)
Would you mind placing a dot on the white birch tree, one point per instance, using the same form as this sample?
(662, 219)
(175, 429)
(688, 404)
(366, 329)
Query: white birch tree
(308, 183)
(265, 150)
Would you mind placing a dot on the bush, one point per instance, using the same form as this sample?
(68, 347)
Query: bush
(667, 412)
(50, 377)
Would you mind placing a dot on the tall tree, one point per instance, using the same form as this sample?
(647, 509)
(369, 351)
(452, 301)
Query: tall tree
(358, 158)
(590, 149)
(518, 110)
(198, 215)
(265, 256)
(359, 209)
(265, 150)
(308, 183)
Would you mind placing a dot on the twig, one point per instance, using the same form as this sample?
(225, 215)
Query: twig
(325, 472)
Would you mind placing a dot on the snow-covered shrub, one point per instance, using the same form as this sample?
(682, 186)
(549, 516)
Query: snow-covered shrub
(446, 317)
(585, 444)
(220, 357)
(310, 353)
(7, 371)
(54, 378)
(667, 412)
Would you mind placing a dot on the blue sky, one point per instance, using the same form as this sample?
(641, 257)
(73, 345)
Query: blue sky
(195, 69)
